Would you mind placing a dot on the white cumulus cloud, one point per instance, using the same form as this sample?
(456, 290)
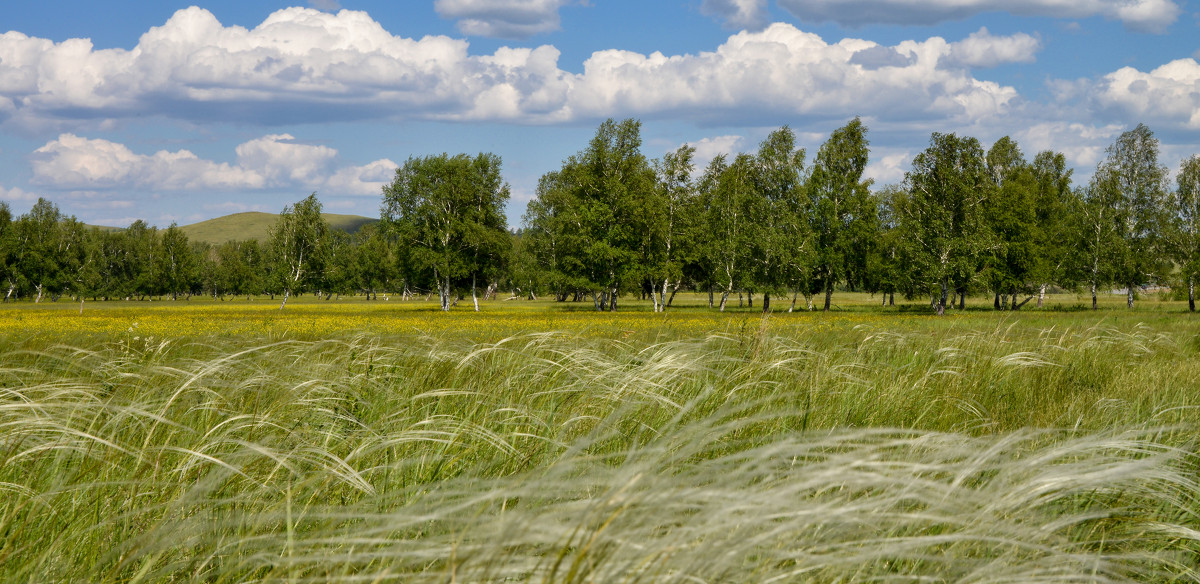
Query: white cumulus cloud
(888, 165)
(1138, 15)
(983, 49)
(785, 71)
(305, 66)
(1082, 144)
(511, 19)
(709, 148)
(273, 161)
(17, 195)
(1169, 94)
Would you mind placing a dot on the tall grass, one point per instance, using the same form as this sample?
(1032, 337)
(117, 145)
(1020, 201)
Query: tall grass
(1003, 452)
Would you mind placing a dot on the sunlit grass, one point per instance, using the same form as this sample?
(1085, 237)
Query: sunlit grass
(386, 442)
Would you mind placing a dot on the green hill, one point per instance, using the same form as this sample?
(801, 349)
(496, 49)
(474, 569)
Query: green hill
(243, 226)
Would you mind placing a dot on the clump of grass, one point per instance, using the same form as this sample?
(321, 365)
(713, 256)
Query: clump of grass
(989, 454)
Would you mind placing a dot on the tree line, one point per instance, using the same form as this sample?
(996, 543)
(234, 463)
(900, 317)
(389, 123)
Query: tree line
(612, 223)
(45, 255)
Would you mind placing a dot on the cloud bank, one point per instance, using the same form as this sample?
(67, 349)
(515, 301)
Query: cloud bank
(305, 66)
(274, 161)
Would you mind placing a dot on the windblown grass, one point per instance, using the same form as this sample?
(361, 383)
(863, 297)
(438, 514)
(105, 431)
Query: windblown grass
(983, 450)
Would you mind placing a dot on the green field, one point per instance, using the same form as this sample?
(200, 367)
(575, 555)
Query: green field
(356, 441)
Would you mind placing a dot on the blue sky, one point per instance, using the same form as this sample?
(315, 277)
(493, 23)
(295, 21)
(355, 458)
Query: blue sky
(173, 112)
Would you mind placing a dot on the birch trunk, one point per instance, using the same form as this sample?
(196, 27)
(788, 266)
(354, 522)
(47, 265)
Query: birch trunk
(1192, 293)
(1041, 295)
(474, 298)
(1129, 296)
(828, 295)
(286, 293)
(1094, 307)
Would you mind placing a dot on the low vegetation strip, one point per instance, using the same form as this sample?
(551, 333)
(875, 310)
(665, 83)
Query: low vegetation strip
(964, 449)
(310, 317)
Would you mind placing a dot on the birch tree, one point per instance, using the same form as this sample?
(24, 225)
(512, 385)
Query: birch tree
(178, 263)
(842, 211)
(1010, 213)
(596, 207)
(1136, 187)
(1185, 232)
(297, 243)
(449, 212)
(1097, 235)
(725, 191)
(674, 212)
(781, 240)
(553, 237)
(9, 271)
(41, 245)
(1052, 208)
(947, 187)
(890, 267)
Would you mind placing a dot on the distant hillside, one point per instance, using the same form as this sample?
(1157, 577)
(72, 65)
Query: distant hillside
(243, 226)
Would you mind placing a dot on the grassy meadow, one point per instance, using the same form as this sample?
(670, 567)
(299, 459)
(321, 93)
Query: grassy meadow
(385, 441)
(255, 225)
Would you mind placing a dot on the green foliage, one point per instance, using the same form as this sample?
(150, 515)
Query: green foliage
(1011, 260)
(726, 191)
(672, 217)
(890, 269)
(449, 214)
(947, 188)
(609, 223)
(1054, 222)
(1134, 185)
(1184, 233)
(299, 247)
(590, 224)
(843, 215)
(781, 242)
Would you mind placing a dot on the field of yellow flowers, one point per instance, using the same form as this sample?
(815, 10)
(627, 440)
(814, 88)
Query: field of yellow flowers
(310, 318)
